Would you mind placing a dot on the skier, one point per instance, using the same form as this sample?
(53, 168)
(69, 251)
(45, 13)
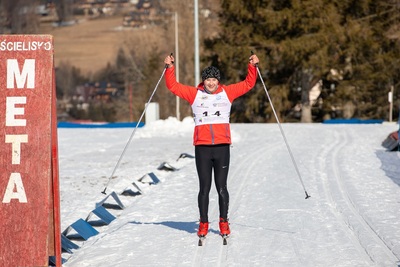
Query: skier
(211, 104)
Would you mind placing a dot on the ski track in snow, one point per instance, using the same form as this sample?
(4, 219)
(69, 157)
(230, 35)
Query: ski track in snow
(346, 222)
(240, 175)
(364, 238)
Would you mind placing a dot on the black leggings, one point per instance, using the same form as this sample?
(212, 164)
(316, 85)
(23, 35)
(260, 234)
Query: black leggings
(209, 157)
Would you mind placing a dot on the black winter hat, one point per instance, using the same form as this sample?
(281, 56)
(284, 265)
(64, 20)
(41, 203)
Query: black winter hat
(211, 72)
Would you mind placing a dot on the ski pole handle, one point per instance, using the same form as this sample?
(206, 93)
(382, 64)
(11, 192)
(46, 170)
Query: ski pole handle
(252, 53)
(166, 65)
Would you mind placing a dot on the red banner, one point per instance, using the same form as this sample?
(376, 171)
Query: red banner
(26, 91)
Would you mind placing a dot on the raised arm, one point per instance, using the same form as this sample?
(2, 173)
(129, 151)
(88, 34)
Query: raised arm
(183, 91)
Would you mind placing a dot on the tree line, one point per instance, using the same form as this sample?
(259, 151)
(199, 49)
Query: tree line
(348, 50)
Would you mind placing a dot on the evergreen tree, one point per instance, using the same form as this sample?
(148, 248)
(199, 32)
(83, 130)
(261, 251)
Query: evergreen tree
(343, 43)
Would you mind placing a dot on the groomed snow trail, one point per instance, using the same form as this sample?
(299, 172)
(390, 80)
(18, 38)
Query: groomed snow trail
(364, 238)
(351, 219)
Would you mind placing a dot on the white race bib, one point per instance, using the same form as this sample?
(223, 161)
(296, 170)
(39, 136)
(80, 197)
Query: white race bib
(211, 108)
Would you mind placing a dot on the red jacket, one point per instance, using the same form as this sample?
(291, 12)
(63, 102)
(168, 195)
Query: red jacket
(211, 134)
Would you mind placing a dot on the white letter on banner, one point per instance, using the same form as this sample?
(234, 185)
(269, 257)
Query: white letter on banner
(16, 141)
(11, 110)
(27, 76)
(15, 181)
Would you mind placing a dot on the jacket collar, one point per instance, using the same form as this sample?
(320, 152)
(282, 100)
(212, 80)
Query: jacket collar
(201, 87)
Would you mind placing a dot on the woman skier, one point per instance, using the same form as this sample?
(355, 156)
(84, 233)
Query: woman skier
(211, 104)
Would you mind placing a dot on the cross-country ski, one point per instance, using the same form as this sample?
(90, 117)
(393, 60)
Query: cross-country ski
(224, 239)
(202, 239)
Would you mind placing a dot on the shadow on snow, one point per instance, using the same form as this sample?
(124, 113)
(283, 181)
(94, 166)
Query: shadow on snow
(390, 162)
(190, 227)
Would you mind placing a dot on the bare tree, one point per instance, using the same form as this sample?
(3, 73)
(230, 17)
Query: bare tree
(64, 11)
(19, 16)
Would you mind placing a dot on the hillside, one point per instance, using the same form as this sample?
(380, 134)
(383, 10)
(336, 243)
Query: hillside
(91, 44)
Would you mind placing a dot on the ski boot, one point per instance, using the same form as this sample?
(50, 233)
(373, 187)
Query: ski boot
(224, 229)
(202, 232)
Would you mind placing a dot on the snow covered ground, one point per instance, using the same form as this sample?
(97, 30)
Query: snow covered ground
(351, 219)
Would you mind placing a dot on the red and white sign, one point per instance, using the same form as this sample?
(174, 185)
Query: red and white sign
(26, 91)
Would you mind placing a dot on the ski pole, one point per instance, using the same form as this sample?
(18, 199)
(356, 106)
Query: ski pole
(282, 132)
(134, 130)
